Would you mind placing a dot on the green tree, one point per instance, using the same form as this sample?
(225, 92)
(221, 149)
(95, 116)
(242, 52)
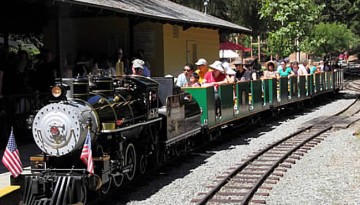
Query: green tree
(345, 11)
(288, 22)
(246, 13)
(328, 37)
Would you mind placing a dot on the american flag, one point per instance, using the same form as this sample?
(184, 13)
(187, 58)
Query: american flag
(86, 154)
(11, 158)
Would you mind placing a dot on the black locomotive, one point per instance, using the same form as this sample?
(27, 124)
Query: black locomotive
(132, 127)
(137, 122)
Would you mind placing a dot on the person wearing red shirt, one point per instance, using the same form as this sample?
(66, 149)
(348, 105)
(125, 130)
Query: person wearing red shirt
(214, 78)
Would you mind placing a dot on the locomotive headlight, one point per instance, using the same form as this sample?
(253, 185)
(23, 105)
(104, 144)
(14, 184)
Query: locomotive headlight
(56, 91)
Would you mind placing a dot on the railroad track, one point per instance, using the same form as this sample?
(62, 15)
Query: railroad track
(251, 181)
(353, 85)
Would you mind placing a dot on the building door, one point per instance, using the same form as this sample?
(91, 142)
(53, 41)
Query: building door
(191, 51)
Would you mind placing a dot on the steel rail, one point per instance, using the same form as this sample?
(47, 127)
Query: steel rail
(233, 173)
(252, 191)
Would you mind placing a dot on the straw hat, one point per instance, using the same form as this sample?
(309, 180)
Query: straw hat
(270, 62)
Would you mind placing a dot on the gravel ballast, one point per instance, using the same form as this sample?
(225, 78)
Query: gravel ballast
(328, 174)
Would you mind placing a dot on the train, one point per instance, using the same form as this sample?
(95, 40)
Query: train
(137, 123)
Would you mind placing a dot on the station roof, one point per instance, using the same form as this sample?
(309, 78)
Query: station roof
(164, 11)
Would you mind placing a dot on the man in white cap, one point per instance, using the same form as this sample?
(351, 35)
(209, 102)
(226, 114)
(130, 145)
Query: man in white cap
(138, 67)
(202, 69)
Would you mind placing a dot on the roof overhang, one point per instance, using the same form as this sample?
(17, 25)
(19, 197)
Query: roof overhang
(162, 11)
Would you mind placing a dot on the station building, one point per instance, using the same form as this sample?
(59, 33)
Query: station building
(170, 35)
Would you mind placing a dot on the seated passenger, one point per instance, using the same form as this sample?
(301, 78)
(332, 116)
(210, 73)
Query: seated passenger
(285, 71)
(298, 70)
(248, 65)
(311, 67)
(137, 67)
(327, 66)
(194, 80)
(302, 69)
(215, 78)
(242, 74)
(202, 69)
(321, 66)
(184, 78)
(230, 73)
(270, 71)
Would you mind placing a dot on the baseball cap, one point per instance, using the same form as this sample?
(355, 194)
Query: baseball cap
(137, 63)
(201, 61)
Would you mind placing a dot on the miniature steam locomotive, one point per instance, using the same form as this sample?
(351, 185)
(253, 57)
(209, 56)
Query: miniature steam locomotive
(137, 122)
(127, 124)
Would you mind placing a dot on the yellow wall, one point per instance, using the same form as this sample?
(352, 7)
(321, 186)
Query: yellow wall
(178, 43)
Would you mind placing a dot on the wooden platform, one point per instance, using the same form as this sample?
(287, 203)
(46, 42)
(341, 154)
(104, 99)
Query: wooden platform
(10, 195)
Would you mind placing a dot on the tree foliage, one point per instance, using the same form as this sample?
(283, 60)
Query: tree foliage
(328, 37)
(289, 22)
(287, 25)
(246, 13)
(345, 11)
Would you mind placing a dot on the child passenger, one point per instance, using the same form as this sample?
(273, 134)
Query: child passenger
(194, 80)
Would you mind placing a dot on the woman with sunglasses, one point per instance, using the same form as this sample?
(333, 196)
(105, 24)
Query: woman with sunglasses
(184, 77)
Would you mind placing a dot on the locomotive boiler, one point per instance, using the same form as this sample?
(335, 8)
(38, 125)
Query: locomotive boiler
(131, 126)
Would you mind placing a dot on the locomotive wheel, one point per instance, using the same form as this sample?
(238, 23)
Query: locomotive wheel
(143, 164)
(159, 157)
(94, 182)
(117, 179)
(81, 194)
(130, 161)
(106, 187)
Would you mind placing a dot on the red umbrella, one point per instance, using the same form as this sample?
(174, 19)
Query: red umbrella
(233, 46)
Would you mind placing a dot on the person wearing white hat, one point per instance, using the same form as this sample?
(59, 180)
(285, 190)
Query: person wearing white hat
(202, 69)
(214, 78)
(137, 67)
(230, 73)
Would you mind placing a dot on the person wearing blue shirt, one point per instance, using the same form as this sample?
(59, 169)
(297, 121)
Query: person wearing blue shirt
(312, 67)
(285, 71)
(184, 77)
